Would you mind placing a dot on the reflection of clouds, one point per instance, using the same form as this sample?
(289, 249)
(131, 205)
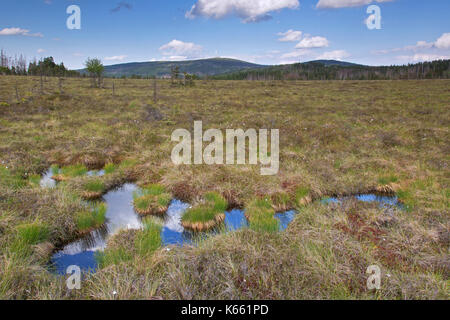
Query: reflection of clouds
(174, 213)
(47, 181)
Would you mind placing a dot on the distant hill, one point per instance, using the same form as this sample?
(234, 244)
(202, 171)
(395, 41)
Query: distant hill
(200, 68)
(335, 63)
(339, 70)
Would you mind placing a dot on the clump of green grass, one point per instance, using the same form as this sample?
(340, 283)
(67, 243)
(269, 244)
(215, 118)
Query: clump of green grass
(11, 180)
(113, 257)
(218, 201)
(127, 164)
(152, 199)
(33, 233)
(302, 196)
(73, 171)
(387, 179)
(206, 215)
(55, 169)
(110, 168)
(201, 213)
(94, 186)
(92, 218)
(34, 179)
(261, 216)
(282, 201)
(407, 199)
(149, 239)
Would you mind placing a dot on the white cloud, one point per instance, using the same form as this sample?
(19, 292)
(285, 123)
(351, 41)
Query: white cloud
(334, 55)
(334, 4)
(443, 42)
(176, 58)
(290, 36)
(247, 10)
(179, 48)
(312, 42)
(115, 58)
(295, 54)
(421, 57)
(19, 32)
(40, 50)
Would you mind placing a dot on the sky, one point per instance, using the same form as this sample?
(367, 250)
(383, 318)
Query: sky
(260, 31)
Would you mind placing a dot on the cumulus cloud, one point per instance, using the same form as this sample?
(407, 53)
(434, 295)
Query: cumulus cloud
(334, 4)
(334, 55)
(443, 42)
(247, 10)
(177, 48)
(19, 32)
(290, 36)
(115, 58)
(312, 42)
(40, 50)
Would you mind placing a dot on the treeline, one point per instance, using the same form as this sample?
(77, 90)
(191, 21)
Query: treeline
(439, 69)
(18, 65)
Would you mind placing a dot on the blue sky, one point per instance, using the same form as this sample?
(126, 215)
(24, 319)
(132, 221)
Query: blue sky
(260, 31)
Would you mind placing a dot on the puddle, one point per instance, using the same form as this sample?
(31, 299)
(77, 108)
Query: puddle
(383, 201)
(120, 215)
(48, 182)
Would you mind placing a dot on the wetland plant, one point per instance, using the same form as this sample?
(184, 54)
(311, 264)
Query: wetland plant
(261, 216)
(206, 215)
(152, 199)
(91, 218)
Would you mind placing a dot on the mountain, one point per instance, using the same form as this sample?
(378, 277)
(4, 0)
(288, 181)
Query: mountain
(202, 67)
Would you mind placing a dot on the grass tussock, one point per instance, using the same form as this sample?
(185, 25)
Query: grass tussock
(93, 189)
(206, 214)
(91, 218)
(152, 199)
(149, 238)
(261, 216)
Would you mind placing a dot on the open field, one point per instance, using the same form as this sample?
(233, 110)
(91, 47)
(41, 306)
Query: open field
(336, 138)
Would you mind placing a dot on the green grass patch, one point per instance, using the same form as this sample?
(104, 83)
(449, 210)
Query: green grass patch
(8, 179)
(94, 186)
(113, 257)
(110, 168)
(214, 205)
(407, 199)
(149, 239)
(33, 233)
(388, 179)
(74, 171)
(301, 192)
(261, 216)
(92, 218)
